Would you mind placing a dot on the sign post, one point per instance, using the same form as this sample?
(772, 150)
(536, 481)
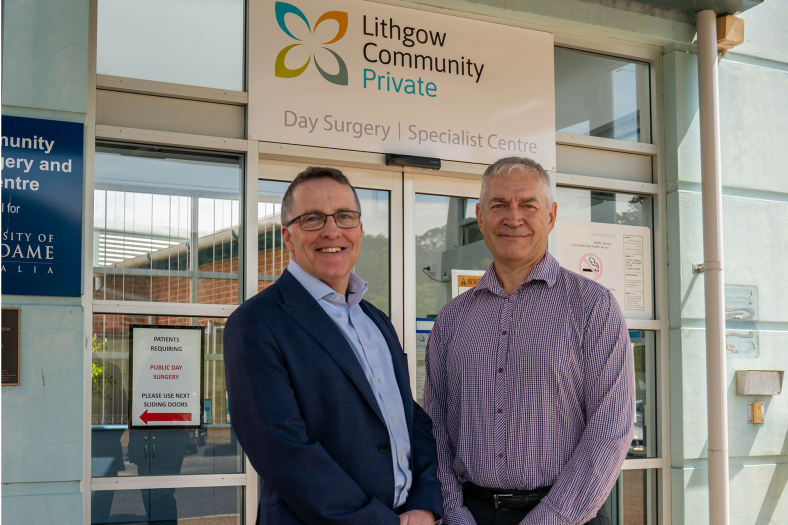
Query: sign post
(166, 364)
(41, 207)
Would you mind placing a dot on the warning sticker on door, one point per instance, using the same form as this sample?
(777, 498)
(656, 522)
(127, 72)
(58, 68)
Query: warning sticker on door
(467, 281)
(464, 280)
(616, 256)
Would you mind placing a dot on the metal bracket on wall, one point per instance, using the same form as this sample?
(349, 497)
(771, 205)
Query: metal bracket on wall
(698, 268)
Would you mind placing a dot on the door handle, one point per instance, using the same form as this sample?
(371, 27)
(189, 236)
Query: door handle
(154, 451)
(146, 451)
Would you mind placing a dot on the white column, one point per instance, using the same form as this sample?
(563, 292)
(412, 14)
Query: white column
(711, 185)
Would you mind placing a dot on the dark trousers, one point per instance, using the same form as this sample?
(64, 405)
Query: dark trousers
(485, 514)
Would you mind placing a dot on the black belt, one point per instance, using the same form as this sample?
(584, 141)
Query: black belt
(503, 499)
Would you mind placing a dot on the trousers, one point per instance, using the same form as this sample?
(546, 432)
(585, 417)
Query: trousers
(486, 514)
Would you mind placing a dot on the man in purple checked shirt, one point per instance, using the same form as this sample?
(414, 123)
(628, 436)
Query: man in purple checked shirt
(530, 375)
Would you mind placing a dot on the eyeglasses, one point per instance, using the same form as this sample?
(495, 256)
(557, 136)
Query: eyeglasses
(317, 221)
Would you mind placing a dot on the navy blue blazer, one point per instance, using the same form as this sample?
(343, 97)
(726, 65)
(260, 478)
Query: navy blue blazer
(308, 419)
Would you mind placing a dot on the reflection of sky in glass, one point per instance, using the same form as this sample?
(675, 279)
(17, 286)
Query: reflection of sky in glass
(602, 96)
(144, 204)
(157, 175)
(195, 42)
(154, 196)
(606, 207)
(625, 101)
(431, 212)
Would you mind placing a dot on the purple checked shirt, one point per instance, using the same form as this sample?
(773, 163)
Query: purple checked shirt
(530, 390)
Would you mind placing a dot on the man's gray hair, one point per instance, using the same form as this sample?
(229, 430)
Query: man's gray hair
(507, 165)
(312, 173)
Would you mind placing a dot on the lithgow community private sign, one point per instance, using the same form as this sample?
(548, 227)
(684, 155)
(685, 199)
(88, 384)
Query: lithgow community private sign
(364, 76)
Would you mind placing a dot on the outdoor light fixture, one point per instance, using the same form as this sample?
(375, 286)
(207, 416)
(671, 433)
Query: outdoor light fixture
(758, 383)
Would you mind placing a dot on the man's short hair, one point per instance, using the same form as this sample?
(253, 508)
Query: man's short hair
(312, 173)
(507, 165)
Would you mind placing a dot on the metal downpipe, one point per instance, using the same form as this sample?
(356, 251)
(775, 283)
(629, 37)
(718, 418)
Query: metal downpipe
(711, 185)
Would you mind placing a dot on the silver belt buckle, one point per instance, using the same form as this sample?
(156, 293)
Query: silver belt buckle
(496, 496)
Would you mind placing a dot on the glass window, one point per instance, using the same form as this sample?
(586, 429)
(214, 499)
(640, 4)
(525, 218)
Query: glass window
(374, 263)
(203, 505)
(602, 96)
(118, 451)
(195, 42)
(447, 238)
(575, 204)
(645, 433)
(632, 500)
(166, 225)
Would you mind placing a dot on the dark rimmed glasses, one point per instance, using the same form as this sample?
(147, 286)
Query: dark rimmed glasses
(317, 221)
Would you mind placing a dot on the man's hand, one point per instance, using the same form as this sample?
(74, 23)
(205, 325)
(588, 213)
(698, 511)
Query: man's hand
(417, 517)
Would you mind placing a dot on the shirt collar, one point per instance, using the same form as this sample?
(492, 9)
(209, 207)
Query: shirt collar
(545, 270)
(356, 287)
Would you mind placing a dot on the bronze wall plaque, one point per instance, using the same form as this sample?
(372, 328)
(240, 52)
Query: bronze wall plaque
(10, 347)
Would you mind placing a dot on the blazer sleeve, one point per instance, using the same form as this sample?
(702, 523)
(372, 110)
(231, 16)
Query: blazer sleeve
(267, 421)
(425, 493)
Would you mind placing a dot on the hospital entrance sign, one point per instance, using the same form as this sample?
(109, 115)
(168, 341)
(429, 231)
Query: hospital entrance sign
(365, 76)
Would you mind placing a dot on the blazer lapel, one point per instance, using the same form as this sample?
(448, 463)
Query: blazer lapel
(309, 315)
(400, 368)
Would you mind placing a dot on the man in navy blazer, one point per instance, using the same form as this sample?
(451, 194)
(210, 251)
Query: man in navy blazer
(318, 383)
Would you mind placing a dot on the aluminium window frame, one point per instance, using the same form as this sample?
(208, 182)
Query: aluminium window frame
(565, 36)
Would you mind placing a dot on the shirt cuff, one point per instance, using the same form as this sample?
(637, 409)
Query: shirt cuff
(542, 515)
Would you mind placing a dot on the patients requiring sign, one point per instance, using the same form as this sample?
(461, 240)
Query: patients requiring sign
(365, 76)
(166, 368)
(617, 257)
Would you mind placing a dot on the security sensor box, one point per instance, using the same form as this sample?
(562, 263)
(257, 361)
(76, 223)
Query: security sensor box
(759, 382)
(429, 163)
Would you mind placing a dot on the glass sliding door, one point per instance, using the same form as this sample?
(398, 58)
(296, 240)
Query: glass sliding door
(380, 262)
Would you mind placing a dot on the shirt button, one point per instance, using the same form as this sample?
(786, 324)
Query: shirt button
(500, 410)
(380, 381)
(401, 459)
(392, 419)
(504, 332)
(500, 456)
(500, 370)
(511, 300)
(366, 343)
(336, 298)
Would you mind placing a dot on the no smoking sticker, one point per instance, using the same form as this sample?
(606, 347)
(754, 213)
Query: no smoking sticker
(591, 266)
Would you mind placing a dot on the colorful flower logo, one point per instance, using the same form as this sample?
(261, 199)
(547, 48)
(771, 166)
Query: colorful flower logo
(282, 71)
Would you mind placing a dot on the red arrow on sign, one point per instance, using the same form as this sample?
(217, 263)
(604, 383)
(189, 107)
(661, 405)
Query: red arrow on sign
(165, 416)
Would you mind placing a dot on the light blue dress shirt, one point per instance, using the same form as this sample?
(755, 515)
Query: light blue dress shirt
(372, 352)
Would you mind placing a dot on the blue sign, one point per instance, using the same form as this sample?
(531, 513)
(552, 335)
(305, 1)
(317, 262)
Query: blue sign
(41, 207)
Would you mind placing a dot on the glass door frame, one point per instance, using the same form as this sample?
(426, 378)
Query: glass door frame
(454, 184)
(362, 174)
